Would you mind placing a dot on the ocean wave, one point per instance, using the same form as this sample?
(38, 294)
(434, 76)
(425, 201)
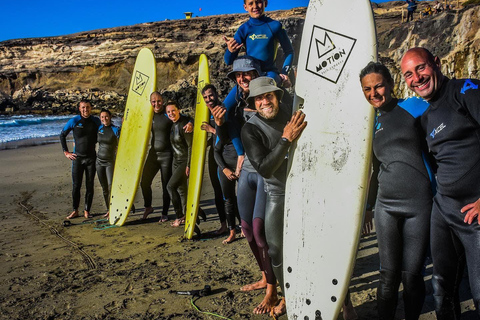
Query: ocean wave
(20, 121)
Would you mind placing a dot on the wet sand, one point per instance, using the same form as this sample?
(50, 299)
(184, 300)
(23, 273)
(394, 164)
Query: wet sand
(87, 271)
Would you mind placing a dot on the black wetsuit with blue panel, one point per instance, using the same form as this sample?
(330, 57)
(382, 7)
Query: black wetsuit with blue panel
(452, 126)
(85, 138)
(403, 205)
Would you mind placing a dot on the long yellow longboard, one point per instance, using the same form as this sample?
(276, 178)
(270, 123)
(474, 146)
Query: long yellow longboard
(132, 147)
(197, 162)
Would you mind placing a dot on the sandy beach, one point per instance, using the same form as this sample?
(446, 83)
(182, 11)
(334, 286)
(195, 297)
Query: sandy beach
(89, 271)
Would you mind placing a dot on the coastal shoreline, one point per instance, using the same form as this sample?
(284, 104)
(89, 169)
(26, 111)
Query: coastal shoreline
(133, 268)
(32, 142)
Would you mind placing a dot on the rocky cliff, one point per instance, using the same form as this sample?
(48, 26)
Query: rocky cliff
(50, 75)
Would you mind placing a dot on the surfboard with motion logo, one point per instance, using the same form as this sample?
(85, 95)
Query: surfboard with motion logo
(330, 167)
(133, 143)
(199, 145)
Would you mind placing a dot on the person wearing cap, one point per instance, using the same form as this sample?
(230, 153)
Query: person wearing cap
(267, 137)
(251, 195)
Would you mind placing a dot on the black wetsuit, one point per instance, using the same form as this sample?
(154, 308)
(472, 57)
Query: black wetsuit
(107, 138)
(85, 138)
(182, 149)
(452, 126)
(214, 178)
(159, 157)
(226, 157)
(403, 206)
(267, 153)
(251, 195)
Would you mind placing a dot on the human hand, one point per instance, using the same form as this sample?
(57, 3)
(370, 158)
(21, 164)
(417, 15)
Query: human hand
(70, 155)
(232, 44)
(286, 83)
(229, 174)
(188, 127)
(187, 171)
(218, 114)
(472, 210)
(295, 126)
(207, 127)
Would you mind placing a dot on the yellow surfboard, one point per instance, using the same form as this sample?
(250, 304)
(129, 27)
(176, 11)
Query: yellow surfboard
(197, 162)
(132, 147)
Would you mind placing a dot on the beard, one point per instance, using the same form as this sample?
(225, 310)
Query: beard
(269, 114)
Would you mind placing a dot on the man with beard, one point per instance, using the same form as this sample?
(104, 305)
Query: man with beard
(267, 137)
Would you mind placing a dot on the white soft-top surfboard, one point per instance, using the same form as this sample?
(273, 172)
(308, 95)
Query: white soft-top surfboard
(330, 166)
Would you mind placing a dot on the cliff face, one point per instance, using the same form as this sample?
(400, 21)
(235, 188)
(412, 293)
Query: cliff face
(454, 36)
(51, 75)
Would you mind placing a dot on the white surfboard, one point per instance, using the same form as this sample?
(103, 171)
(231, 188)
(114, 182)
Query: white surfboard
(330, 166)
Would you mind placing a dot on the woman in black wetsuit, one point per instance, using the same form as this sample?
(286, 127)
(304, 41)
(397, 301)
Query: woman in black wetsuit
(182, 150)
(107, 138)
(405, 191)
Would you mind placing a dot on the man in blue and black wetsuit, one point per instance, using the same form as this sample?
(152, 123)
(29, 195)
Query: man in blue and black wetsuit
(85, 128)
(452, 126)
(267, 137)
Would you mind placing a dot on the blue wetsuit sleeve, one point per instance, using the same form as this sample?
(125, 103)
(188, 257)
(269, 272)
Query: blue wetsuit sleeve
(117, 131)
(234, 132)
(414, 105)
(66, 130)
(231, 129)
(287, 48)
(470, 98)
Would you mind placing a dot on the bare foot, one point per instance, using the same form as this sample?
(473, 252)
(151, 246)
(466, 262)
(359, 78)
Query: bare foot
(178, 222)
(223, 229)
(230, 238)
(269, 302)
(163, 219)
(87, 215)
(106, 215)
(279, 310)
(257, 285)
(72, 215)
(147, 211)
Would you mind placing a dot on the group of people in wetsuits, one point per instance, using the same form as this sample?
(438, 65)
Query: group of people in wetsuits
(427, 167)
(87, 131)
(427, 163)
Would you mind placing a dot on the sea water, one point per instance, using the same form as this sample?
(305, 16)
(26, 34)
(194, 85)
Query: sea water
(22, 130)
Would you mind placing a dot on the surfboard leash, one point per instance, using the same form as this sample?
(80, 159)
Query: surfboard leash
(204, 312)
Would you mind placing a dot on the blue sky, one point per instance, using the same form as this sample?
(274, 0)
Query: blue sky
(35, 18)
